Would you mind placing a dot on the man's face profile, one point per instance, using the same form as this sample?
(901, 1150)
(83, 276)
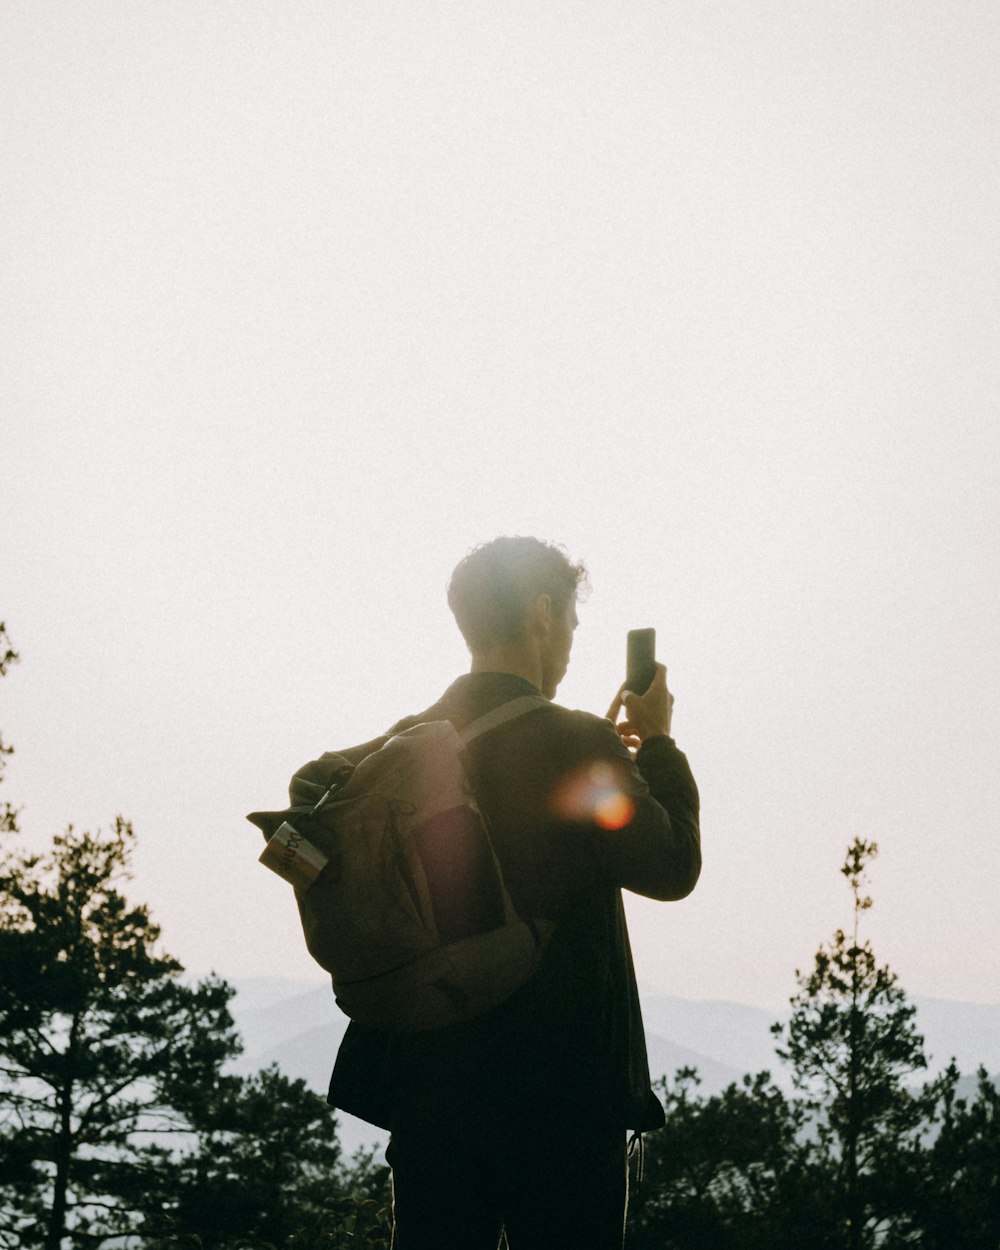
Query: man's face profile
(558, 644)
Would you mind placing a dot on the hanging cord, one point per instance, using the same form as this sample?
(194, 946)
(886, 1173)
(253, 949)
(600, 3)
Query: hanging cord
(635, 1148)
(340, 777)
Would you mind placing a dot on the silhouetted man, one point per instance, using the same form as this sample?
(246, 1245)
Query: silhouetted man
(518, 1119)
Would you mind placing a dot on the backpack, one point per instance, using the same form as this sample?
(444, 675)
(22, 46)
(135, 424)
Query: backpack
(401, 896)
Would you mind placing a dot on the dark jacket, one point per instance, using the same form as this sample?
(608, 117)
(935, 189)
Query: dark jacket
(552, 785)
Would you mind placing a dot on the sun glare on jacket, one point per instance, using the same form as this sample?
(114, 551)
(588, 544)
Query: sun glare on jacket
(594, 793)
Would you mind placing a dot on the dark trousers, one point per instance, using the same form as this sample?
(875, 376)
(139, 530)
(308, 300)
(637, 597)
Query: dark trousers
(551, 1189)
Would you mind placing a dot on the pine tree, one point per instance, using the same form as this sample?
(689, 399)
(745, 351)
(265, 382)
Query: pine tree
(957, 1203)
(852, 1043)
(726, 1172)
(265, 1170)
(100, 1043)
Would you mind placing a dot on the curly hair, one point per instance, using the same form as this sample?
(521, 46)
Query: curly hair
(494, 586)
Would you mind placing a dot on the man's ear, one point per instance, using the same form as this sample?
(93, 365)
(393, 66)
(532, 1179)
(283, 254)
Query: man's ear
(541, 615)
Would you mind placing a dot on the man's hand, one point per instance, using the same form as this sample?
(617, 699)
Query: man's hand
(646, 715)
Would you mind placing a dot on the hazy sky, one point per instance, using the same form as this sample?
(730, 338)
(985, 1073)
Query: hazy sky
(300, 301)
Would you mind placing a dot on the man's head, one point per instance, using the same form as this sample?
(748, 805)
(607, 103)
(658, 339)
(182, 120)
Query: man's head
(514, 594)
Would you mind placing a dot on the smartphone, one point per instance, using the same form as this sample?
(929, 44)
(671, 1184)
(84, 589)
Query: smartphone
(640, 660)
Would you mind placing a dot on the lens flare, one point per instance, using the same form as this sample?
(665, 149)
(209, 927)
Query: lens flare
(595, 793)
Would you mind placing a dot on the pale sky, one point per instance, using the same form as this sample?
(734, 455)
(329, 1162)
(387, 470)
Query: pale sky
(299, 302)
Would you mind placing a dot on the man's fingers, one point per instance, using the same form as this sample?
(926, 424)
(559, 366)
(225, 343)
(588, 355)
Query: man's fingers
(626, 731)
(627, 699)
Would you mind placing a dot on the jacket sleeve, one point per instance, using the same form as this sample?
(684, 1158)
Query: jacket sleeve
(658, 852)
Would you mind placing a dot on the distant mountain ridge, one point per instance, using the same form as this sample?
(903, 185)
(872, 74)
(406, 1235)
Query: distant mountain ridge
(298, 1026)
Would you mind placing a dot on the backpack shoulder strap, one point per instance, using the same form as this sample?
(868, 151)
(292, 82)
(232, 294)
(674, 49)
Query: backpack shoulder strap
(501, 715)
